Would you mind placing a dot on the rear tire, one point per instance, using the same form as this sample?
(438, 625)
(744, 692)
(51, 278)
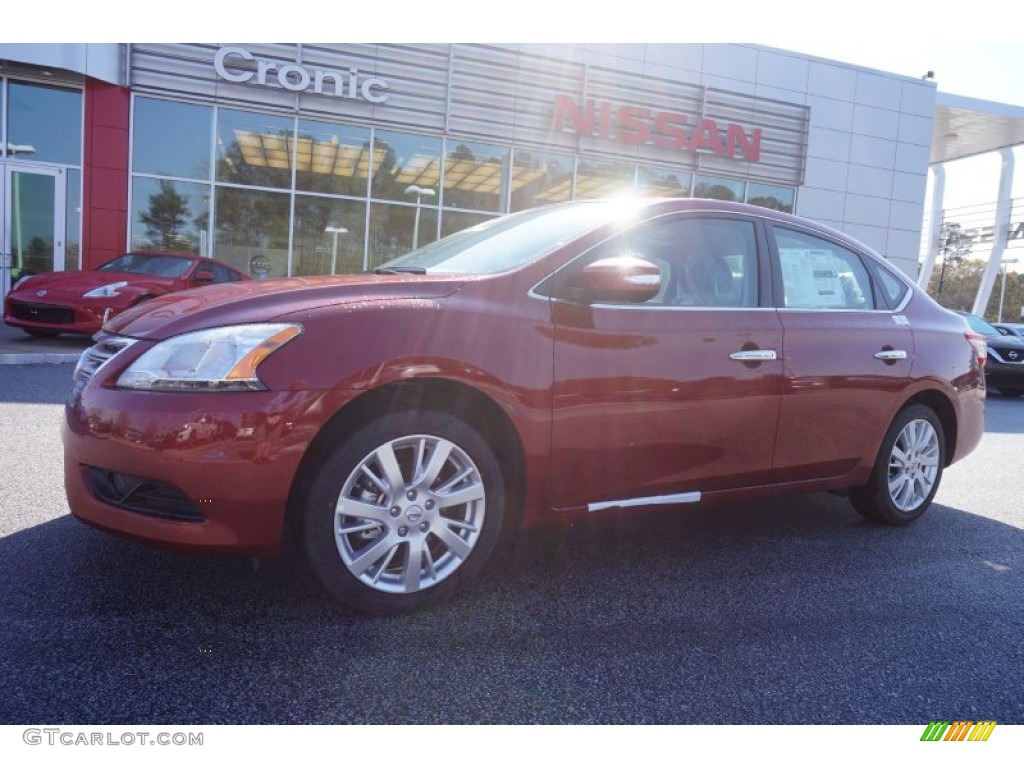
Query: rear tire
(908, 469)
(403, 512)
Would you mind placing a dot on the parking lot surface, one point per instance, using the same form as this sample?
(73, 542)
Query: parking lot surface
(791, 611)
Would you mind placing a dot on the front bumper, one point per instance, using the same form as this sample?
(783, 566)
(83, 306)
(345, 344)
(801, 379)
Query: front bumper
(1004, 374)
(56, 316)
(227, 459)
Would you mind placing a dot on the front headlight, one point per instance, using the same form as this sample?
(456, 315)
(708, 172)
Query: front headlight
(217, 359)
(105, 291)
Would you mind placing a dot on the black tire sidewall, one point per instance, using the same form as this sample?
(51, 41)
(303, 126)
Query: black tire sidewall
(874, 500)
(318, 539)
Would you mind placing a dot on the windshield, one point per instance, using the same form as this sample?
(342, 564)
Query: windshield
(158, 266)
(505, 243)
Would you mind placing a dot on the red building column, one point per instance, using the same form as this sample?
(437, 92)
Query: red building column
(105, 173)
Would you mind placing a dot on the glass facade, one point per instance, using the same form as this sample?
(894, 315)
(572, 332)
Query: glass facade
(281, 195)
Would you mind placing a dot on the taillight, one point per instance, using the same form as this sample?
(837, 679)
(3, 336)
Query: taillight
(980, 347)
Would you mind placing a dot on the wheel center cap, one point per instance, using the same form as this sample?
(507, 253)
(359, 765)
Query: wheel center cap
(414, 514)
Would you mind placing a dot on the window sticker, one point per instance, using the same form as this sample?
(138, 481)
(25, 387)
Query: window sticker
(812, 278)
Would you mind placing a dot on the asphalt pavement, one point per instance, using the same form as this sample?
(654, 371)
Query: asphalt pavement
(789, 611)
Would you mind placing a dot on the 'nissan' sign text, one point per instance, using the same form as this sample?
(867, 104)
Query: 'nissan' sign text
(639, 125)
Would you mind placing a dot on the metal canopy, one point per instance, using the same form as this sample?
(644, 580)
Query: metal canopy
(964, 127)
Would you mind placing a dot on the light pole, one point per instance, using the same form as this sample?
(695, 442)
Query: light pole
(420, 192)
(1002, 291)
(335, 231)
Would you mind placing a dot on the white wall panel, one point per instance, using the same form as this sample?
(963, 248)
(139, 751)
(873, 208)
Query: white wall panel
(832, 80)
(782, 71)
(865, 180)
(830, 113)
(826, 174)
(867, 150)
(872, 121)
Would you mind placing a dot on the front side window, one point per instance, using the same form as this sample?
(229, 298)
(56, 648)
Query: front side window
(704, 262)
(821, 274)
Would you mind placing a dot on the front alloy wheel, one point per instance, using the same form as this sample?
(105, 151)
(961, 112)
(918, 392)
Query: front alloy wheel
(414, 503)
(908, 469)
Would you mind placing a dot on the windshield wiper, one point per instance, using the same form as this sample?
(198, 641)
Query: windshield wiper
(400, 271)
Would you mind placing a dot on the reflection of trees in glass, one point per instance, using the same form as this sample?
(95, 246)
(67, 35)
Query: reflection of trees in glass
(37, 256)
(317, 251)
(257, 219)
(252, 231)
(251, 164)
(475, 179)
(715, 191)
(348, 182)
(165, 216)
(391, 230)
(406, 160)
(538, 180)
(770, 201)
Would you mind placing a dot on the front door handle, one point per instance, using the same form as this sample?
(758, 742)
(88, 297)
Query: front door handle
(891, 354)
(754, 355)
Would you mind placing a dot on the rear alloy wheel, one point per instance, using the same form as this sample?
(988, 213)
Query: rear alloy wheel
(907, 471)
(403, 512)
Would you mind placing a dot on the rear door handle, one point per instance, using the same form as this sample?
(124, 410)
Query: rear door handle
(891, 354)
(754, 355)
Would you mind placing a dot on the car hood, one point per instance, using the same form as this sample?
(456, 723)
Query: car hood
(258, 301)
(77, 282)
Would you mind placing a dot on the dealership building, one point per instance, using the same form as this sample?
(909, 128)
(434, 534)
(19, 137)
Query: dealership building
(318, 159)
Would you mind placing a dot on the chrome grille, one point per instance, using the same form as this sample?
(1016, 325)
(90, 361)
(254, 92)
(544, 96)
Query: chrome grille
(93, 358)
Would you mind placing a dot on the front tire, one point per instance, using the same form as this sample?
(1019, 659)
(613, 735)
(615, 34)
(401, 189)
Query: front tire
(409, 507)
(908, 469)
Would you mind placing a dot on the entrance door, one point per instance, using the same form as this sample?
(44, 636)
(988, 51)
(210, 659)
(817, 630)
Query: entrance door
(32, 225)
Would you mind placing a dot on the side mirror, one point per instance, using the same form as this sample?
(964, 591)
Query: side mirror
(1002, 331)
(203, 276)
(621, 279)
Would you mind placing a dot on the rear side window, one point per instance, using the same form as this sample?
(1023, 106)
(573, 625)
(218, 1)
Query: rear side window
(821, 274)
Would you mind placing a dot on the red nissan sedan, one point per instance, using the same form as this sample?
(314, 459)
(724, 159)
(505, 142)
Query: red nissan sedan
(78, 301)
(550, 364)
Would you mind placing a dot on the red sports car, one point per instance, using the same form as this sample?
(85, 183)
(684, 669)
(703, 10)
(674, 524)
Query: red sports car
(553, 364)
(79, 301)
